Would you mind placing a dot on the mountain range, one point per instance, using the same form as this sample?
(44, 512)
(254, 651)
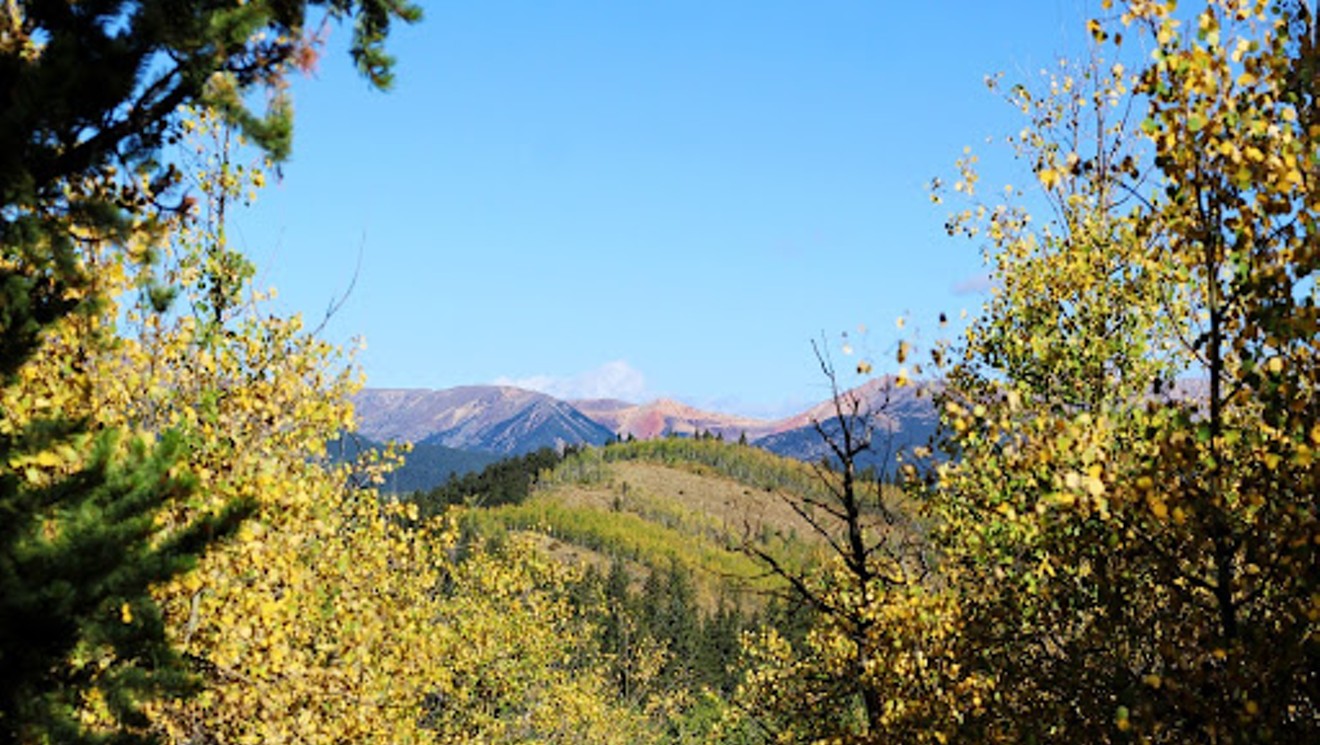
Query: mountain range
(499, 421)
(494, 419)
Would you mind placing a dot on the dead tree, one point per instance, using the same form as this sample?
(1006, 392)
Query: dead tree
(858, 518)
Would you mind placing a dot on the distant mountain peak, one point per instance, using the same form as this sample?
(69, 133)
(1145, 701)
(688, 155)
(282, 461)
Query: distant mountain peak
(508, 420)
(499, 419)
(666, 415)
(880, 397)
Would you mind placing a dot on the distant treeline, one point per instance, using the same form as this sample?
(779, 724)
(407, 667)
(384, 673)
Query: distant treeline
(507, 481)
(510, 481)
(425, 465)
(747, 465)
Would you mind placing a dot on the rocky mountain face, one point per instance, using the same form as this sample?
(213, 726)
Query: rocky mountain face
(665, 416)
(901, 417)
(496, 419)
(508, 421)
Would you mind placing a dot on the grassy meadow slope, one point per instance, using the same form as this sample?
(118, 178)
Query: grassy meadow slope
(670, 500)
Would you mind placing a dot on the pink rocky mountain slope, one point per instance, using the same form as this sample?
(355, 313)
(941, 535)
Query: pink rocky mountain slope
(659, 417)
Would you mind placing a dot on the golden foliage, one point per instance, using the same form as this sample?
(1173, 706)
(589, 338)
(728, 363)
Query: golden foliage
(1135, 555)
(332, 616)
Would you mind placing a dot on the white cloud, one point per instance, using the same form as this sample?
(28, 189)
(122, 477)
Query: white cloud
(616, 379)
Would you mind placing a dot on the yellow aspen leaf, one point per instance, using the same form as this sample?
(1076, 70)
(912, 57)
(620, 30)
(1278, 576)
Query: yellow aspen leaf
(1157, 507)
(1046, 567)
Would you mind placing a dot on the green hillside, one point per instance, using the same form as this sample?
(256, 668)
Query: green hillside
(695, 502)
(698, 503)
(657, 532)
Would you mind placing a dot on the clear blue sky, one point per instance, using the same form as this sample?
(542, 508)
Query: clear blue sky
(645, 198)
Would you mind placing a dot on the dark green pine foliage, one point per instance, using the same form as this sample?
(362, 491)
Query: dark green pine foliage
(507, 481)
(719, 648)
(788, 615)
(93, 91)
(77, 560)
(703, 648)
(619, 636)
(670, 614)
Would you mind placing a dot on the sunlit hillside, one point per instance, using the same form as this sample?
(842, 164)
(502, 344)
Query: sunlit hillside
(697, 502)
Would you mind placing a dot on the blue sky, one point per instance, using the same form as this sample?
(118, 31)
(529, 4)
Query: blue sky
(646, 199)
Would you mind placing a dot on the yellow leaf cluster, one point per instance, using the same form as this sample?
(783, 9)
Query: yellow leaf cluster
(1102, 522)
(332, 616)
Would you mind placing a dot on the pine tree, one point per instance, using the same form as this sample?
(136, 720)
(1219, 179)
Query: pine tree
(77, 557)
(95, 91)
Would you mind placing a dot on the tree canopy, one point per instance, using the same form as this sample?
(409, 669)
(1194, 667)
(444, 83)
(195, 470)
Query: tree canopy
(99, 510)
(94, 93)
(1128, 511)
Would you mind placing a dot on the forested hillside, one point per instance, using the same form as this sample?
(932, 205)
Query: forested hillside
(657, 531)
(424, 466)
(1078, 556)
(653, 503)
